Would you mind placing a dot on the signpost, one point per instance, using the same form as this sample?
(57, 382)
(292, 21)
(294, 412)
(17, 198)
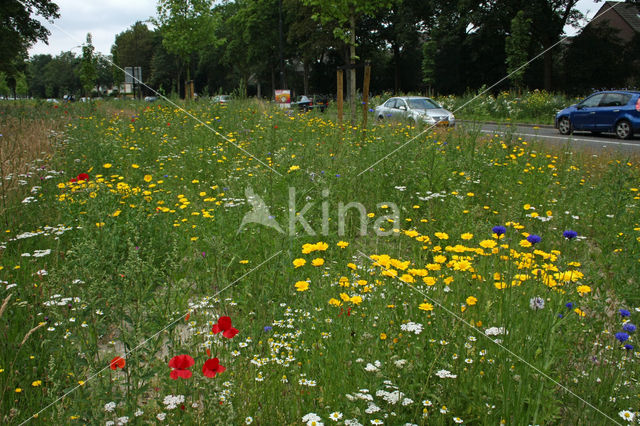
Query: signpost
(133, 80)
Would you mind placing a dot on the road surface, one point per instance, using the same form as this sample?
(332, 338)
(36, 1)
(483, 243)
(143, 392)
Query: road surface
(584, 141)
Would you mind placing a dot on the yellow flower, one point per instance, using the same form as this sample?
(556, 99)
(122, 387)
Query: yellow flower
(116, 213)
(356, 300)
(335, 302)
(579, 312)
(99, 224)
(318, 261)
(342, 244)
(525, 243)
(407, 278)
(429, 281)
(244, 261)
(526, 206)
(299, 262)
(471, 300)
(18, 390)
(442, 235)
(426, 307)
(148, 178)
(36, 383)
(107, 165)
(440, 259)
(500, 285)
(383, 336)
(582, 289)
(135, 166)
(302, 286)
(351, 266)
(345, 297)
(488, 244)
(293, 168)
(466, 236)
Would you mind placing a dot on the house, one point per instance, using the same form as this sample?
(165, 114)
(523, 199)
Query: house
(622, 16)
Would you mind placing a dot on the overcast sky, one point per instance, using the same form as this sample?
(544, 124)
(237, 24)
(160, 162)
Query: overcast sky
(106, 18)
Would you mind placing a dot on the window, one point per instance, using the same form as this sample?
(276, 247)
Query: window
(592, 101)
(615, 99)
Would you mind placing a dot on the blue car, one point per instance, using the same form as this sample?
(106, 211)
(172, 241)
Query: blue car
(614, 111)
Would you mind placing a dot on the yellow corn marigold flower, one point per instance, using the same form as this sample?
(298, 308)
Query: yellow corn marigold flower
(488, 244)
(318, 261)
(442, 235)
(302, 286)
(466, 236)
(579, 311)
(335, 302)
(429, 281)
(356, 300)
(107, 165)
(299, 262)
(583, 289)
(36, 383)
(471, 300)
(345, 297)
(407, 278)
(440, 258)
(148, 178)
(293, 168)
(342, 244)
(426, 307)
(383, 336)
(351, 266)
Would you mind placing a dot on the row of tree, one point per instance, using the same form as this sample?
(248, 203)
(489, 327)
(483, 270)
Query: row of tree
(256, 46)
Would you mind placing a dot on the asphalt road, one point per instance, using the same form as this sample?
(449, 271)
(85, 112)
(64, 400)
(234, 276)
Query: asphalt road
(583, 141)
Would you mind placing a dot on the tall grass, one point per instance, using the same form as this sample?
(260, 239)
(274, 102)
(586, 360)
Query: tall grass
(442, 320)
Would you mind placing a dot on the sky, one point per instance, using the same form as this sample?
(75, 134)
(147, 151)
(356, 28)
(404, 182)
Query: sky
(104, 19)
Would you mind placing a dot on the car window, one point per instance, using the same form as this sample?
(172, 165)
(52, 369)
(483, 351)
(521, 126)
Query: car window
(391, 103)
(423, 103)
(400, 103)
(615, 99)
(592, 101)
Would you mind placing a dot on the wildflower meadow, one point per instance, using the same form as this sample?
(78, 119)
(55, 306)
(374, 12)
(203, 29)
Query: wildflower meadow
(242, 264)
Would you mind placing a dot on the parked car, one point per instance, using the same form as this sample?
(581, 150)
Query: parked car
(305, 103)
(221, 99)
(615, 111)
(415, 110)
(150, 98)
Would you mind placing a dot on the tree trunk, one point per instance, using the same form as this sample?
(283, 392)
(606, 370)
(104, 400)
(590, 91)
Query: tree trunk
(352, 63)
(259, 90)
(548, 69)
(396, 69)
(273, 83)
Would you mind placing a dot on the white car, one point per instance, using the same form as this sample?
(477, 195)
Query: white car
(415, 110)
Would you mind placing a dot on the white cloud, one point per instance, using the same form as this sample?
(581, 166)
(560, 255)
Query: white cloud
(104, 19)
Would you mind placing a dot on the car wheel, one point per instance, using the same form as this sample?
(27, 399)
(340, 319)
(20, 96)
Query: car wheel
(623, 130)
(564, 126)
(380, 119)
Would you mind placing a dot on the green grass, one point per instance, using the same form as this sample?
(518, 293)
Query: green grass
(150, 254)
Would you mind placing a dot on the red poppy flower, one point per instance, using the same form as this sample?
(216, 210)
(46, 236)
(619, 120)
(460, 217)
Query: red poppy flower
(73, 180)
(224, 325)
(83, 176)
(117, 362)
(181, 365)
(212, 367)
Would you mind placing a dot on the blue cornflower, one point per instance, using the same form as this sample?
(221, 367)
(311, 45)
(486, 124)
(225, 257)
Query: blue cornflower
(569, 234)
(622, 336)
(268, 328)
(628, 347)
(499, 230)
(629, 327)
(624, 313)
(569, 305)
(534, 239)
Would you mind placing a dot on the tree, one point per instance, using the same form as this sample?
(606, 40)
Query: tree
(88, 73)
(517, 47)
(343, 16)
(187, 26)
(36, 78)
(134, 47)
(19, 29)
